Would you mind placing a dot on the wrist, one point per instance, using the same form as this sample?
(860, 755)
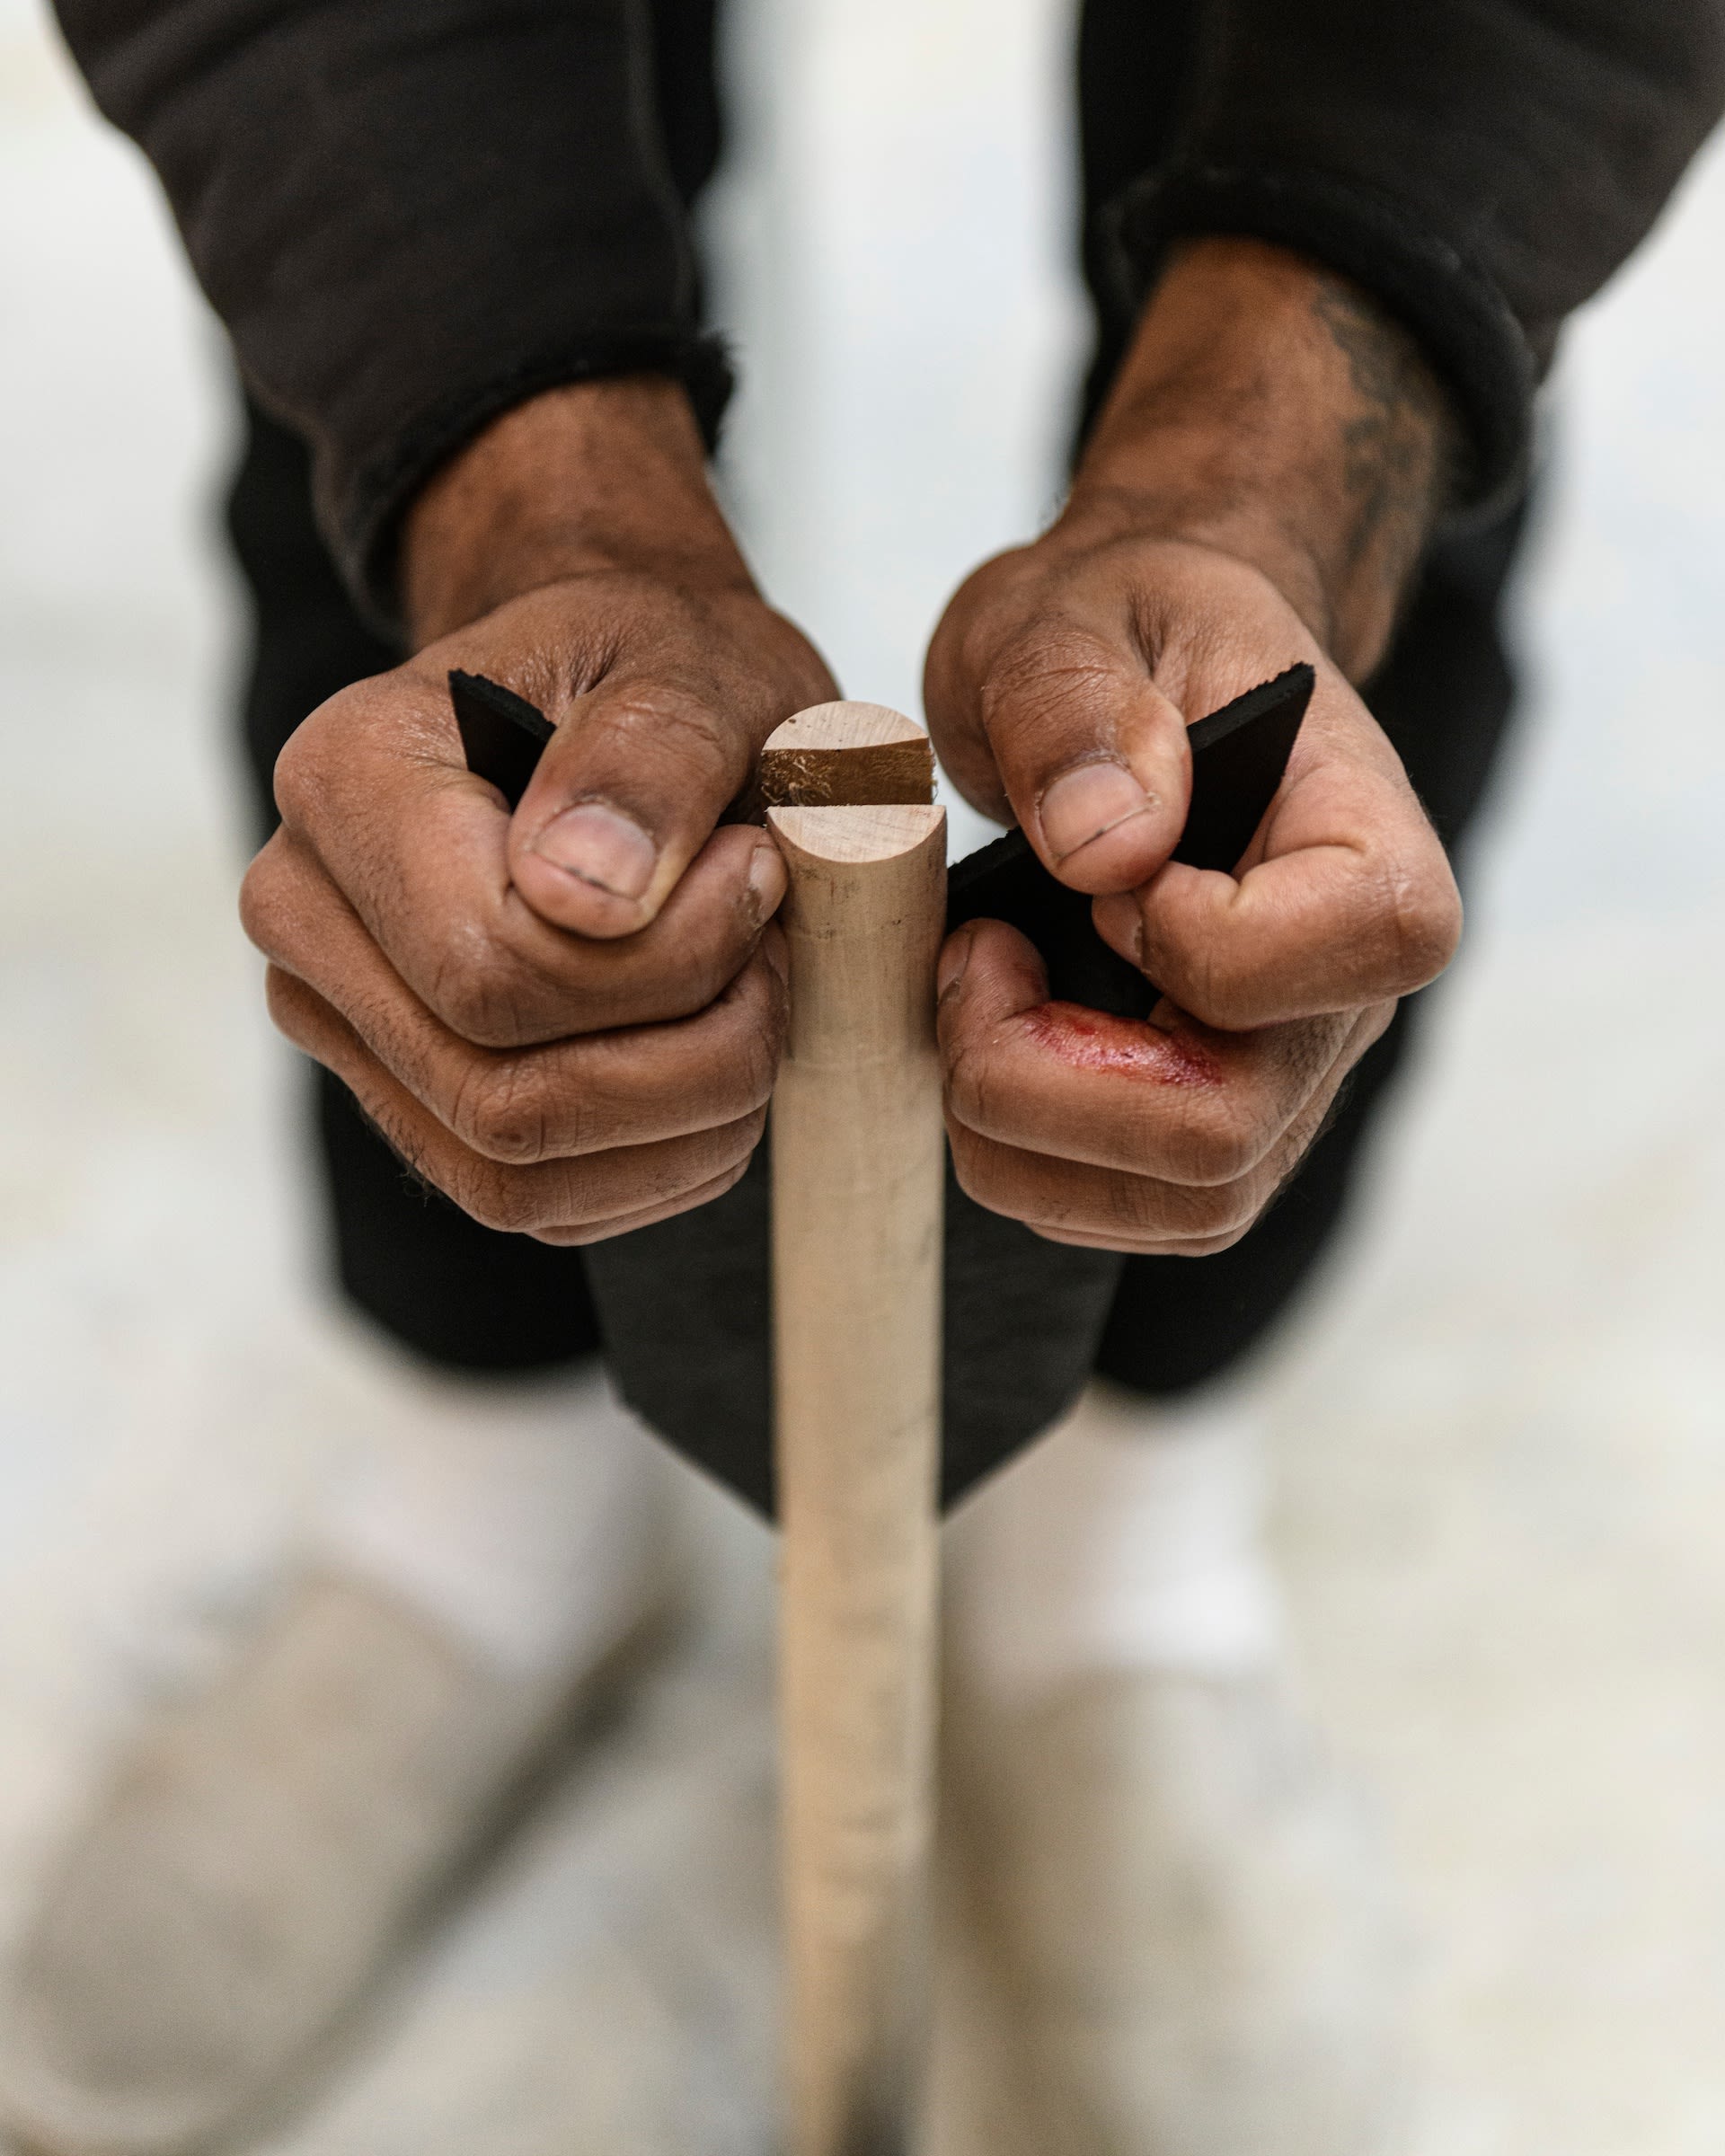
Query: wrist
(1270, 410)
(594, 476)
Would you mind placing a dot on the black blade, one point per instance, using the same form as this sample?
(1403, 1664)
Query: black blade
(502, 734)
(1239, 755)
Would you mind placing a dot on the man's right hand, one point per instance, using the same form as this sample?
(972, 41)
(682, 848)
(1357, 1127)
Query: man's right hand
(569, 1019)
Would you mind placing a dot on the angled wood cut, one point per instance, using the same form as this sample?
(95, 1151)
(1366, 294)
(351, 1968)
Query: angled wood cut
(858, 1162)
(846, 755)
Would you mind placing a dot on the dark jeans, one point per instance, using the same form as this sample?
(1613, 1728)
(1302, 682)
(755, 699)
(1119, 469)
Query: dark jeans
(468, 1298)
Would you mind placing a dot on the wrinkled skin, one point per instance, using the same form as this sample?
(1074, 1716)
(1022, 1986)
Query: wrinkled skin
(570, 1020)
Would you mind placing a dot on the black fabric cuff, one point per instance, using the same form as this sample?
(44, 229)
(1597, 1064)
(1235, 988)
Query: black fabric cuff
(361, 513)
(1461, 320)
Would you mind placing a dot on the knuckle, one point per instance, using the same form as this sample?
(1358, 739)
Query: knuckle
(1233, 1215)
(727, 1180)
(501, 1198)
(477, 990)
(294, 780)
(284, 999)
(263, 902)
(501, 1111)
(976, 1165)
(969, 1091)
(1206, 1246)
(756, 1065)
(1138, 1207)
(578, 1235)
(1162, 1209)
(700, 977)
(732, 1149)
(749, 1056)
(1216, 1144)
(1209, 986)
(301, 779)
(1422, 919)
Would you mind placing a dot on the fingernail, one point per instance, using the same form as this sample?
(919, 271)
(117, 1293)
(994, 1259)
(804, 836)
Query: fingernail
(954, 959)
(601, 847)
(1087, 801)
(766, 881)
(1119, 924)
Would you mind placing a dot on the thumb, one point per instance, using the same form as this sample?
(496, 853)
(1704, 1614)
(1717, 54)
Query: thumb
(1091, 752)
(627, 794)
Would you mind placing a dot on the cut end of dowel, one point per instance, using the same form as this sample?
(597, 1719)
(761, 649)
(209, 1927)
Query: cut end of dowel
(855, 834)
(846, 756)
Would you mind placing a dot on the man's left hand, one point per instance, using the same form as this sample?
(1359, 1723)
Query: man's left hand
(1060, 687)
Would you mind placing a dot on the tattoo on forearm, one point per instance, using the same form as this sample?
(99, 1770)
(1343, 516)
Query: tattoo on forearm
(1398, 446)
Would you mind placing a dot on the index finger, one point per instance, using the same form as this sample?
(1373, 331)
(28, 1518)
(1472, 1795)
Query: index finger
(1163, 1097)
(1347, 898)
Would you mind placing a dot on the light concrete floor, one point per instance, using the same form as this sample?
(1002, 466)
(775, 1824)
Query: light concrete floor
(1501, 1430)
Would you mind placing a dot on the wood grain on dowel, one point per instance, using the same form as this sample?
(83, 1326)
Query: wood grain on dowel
(857, 1179)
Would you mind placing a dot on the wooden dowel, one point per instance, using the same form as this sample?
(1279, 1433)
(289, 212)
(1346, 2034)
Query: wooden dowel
(857, 1179)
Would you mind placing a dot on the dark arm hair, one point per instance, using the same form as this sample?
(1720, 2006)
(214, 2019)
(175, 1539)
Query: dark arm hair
(1480, 167)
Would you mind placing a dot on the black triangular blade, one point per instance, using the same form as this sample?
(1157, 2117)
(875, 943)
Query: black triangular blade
(1239, 755)
(502, 734)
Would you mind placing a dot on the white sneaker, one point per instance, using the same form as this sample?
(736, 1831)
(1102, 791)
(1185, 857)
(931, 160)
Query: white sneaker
(1181, 1939)
(261, 1857)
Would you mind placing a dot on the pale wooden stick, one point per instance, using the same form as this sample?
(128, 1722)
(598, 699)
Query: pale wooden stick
(857, 1179)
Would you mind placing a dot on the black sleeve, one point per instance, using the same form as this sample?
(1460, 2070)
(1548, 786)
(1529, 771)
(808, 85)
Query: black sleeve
(409, 214)
(1480, 166)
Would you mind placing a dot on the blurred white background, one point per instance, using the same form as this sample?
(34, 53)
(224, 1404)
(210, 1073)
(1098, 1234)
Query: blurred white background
(1503, 1428)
